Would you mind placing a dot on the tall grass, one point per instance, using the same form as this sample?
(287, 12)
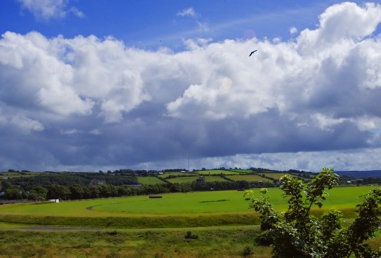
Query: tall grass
(211, 243)
(137, 221)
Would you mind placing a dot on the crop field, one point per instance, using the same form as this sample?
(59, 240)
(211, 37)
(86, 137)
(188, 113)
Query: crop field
(249, 178)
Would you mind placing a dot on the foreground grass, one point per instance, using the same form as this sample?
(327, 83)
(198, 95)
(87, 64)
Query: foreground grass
(179, 243)
(188, 243)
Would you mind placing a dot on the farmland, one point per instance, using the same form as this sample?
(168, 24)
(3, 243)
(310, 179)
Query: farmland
(249, 178)
(189, 224)
(193, 203)
(150, 180)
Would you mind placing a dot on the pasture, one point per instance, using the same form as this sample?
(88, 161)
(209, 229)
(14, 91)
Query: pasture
(190, 179)
(176, 204)
(217, 172)
(196, 224)
(249, 178)
(274, 175)
(149, 180)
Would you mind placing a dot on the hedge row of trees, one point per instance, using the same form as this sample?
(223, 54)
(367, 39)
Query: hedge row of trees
(77, 191)
(68, 179)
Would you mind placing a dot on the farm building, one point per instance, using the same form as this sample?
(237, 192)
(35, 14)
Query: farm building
(200, 179)
(97, 182)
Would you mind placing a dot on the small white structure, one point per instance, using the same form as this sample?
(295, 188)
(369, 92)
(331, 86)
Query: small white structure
(54, 200)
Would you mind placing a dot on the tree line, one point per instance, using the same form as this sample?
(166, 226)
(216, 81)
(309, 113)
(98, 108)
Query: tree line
(77, 191)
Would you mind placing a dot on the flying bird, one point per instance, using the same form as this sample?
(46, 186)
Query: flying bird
(252, 52)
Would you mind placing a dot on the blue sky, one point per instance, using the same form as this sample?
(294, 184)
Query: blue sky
(151, 24)
(93, 85)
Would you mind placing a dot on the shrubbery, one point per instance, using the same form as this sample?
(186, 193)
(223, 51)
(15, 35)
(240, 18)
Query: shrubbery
(297, 233)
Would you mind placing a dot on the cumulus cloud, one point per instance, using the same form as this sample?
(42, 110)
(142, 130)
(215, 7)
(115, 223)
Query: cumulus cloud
(46, 9)
(99, 102)
(70, 76)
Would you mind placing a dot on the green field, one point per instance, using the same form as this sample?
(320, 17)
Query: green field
(149, 180)
(217, 172)
(166, 174)
(249, 178)
(177, 203)
(189, 179)
(274, 175)
(176, 210)
(140, 226)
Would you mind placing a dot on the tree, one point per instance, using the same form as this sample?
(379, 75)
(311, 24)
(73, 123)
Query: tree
(56, 191)
(13, 193)
(38, 193)
(76, 192)
(297, 233)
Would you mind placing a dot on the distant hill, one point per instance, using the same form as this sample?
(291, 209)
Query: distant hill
(362, 174)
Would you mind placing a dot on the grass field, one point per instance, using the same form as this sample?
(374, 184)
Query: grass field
(242, 170)
(189, 179)
(166, 174)
(143, 227)
(179, 203)
(212, 208)
(274, 175)
(217, 172)
(249, 178)
(149, 180)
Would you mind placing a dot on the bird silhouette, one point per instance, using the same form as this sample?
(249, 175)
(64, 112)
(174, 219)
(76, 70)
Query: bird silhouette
(252, 52)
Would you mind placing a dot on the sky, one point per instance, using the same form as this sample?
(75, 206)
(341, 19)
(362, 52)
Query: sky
(103, 85)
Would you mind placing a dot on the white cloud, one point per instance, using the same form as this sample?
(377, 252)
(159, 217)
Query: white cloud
(71, 131)
(289, 76)
(293, 30)
(46, 9)
(26, 124)
(341, 23)
(319, 92)
(308, 161)
(71, 76)
(187, 12)
(190, 12)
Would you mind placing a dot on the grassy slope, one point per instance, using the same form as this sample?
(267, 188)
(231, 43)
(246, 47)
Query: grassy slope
(179, 203)
(173, 210)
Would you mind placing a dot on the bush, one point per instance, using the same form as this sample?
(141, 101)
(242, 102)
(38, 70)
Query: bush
(298, 233)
